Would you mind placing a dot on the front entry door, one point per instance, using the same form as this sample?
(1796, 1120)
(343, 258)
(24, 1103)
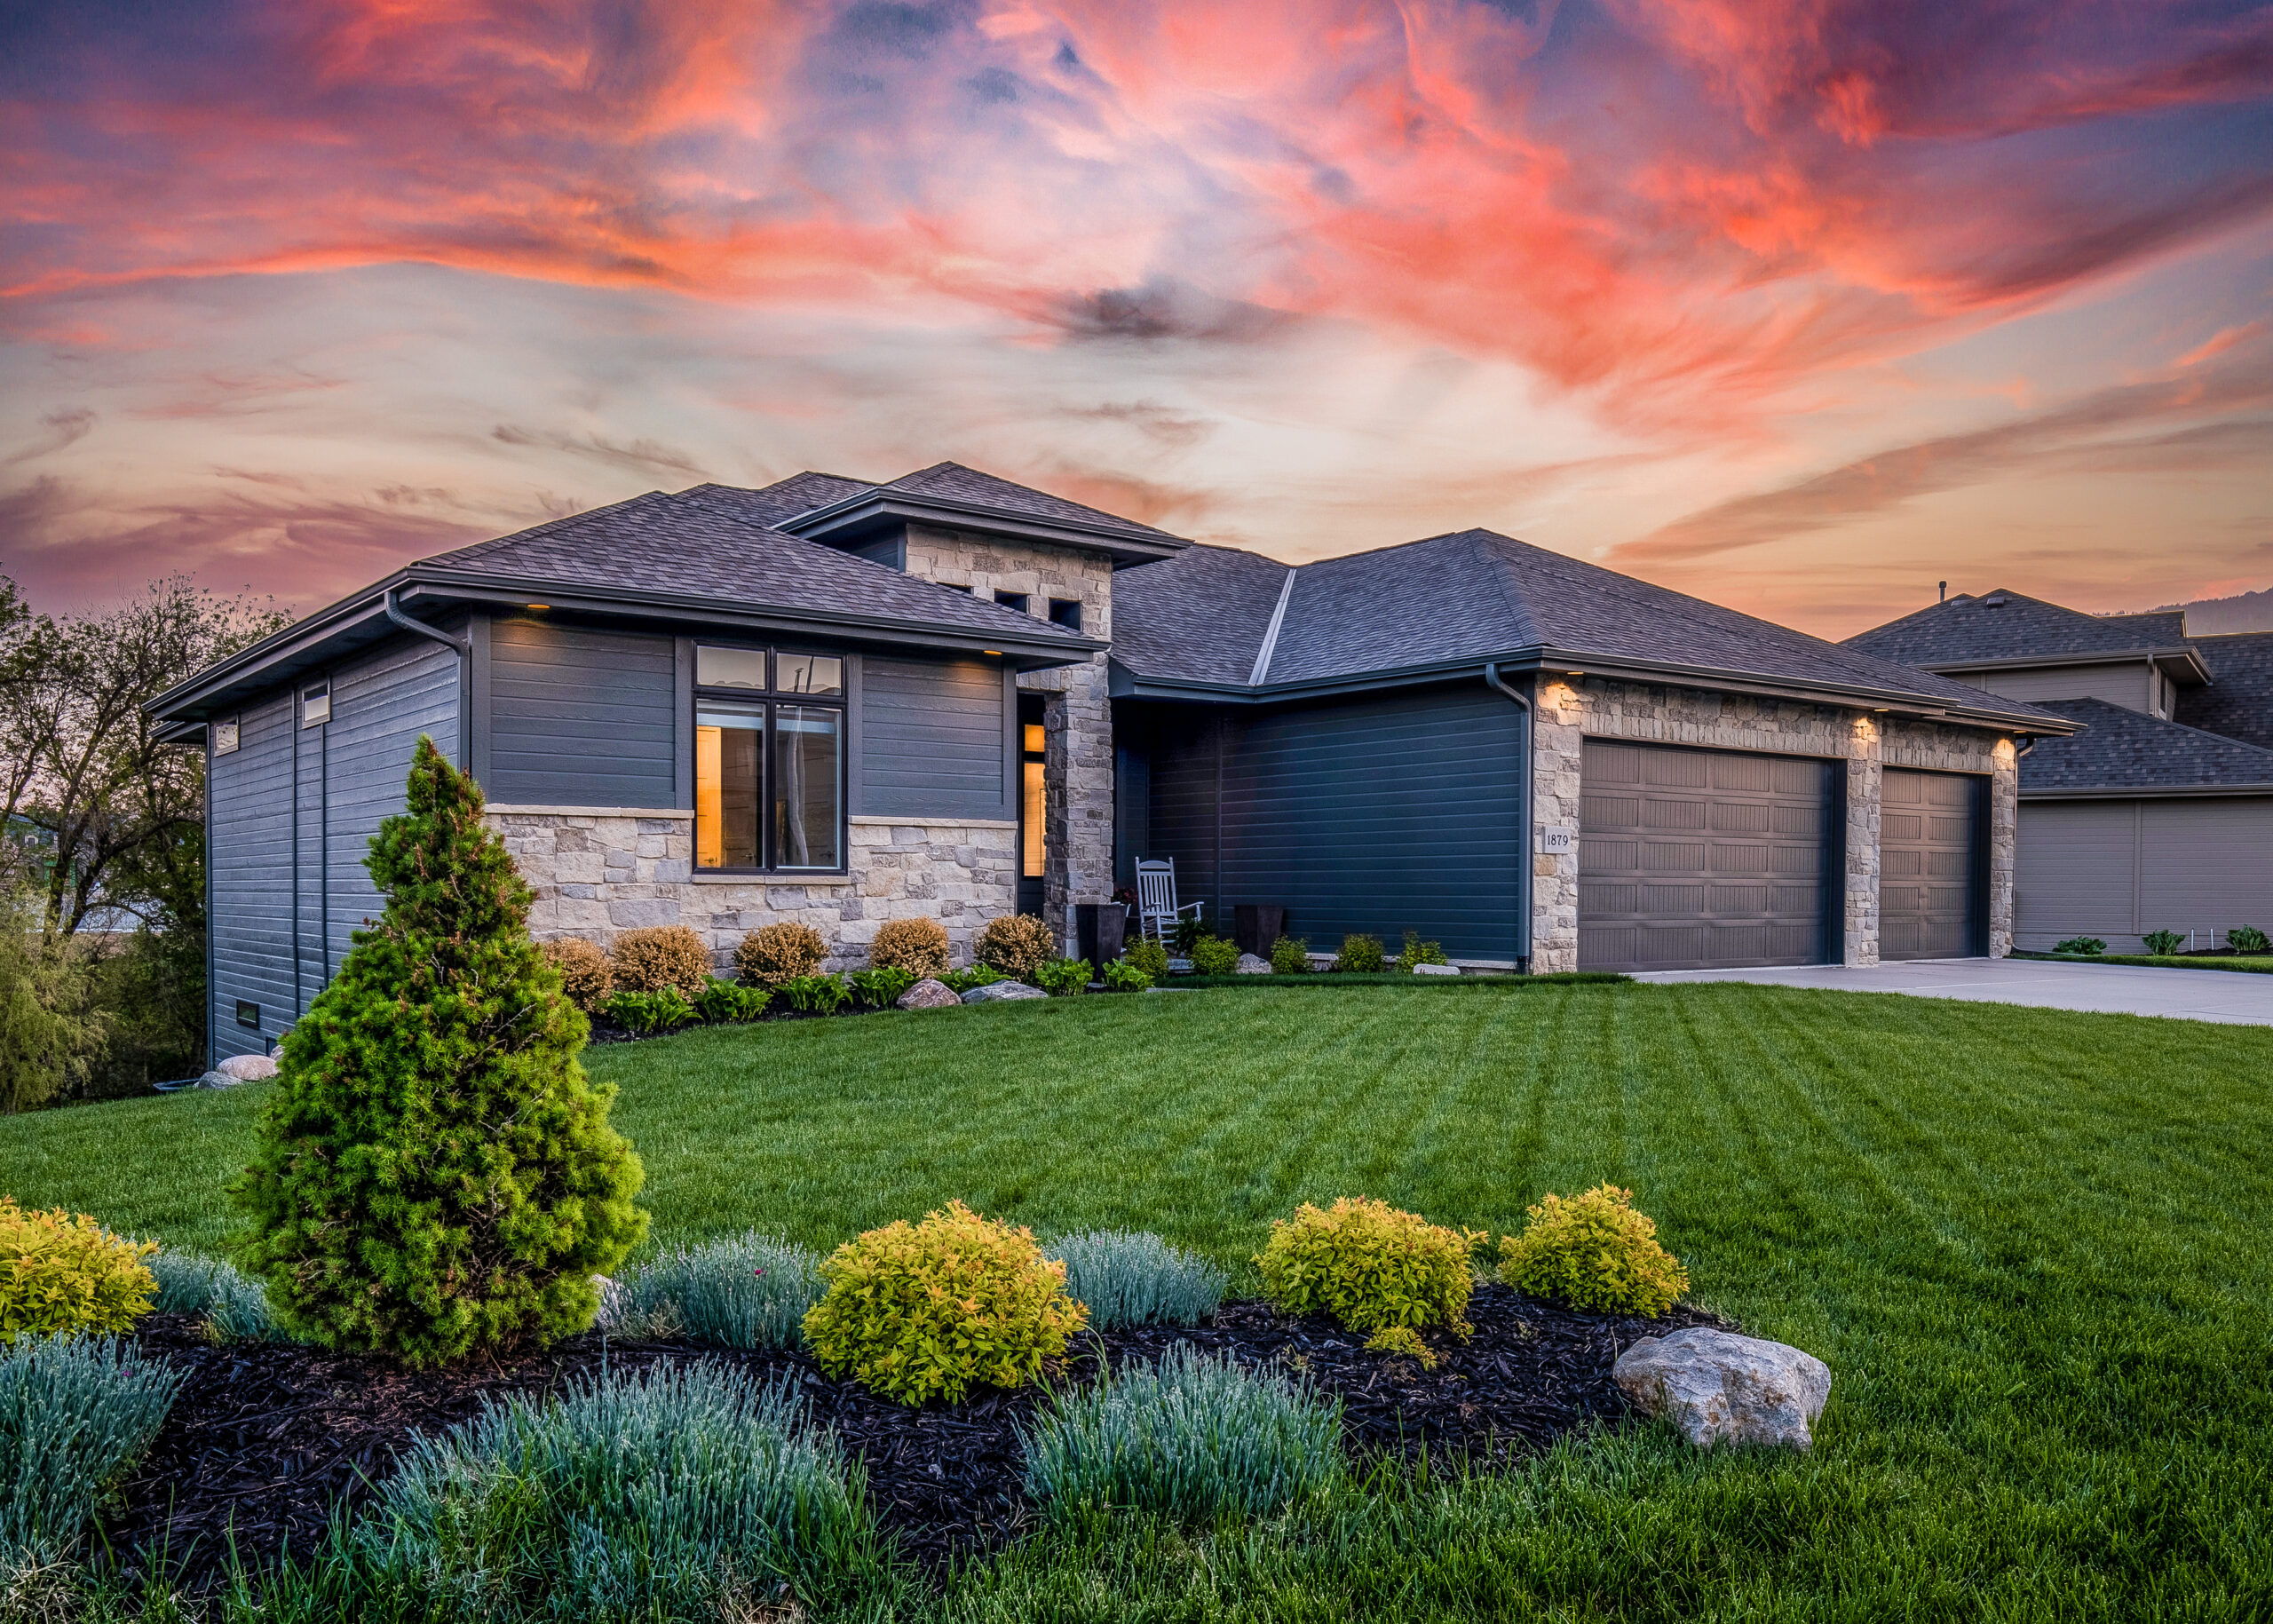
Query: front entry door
(1032, 849)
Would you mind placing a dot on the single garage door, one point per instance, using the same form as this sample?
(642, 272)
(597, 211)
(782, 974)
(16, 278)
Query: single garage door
(1930, 873)
(1702, 859)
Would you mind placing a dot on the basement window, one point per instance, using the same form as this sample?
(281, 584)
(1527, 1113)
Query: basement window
(1019, 601)
(1066, 612)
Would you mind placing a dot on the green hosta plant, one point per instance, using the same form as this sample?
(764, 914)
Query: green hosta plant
(2248, 938)
(1063, 978)
(725, 1002)
(2163, 943)
(881, 988)
(435, 1175)
(1213, 955)
(1290, 956)
(1149, 956)
(1122, 977)
(1188, 933)
(816, 994)
(961, 981)
(1369, 1265)
(1594, 1253)
(645, 1014)
(2087, 945)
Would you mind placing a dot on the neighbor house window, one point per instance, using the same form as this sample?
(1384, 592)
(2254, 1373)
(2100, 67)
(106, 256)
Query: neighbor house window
(315, 704)
(769, 760)
(224, 738)
(1030, 759)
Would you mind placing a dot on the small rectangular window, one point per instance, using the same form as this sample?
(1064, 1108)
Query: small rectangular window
(316, 705)
(247, 1013)
(1019, 601)
(1032, 741)
(808, 673)
(1066, 612)
(224, 738)
(729, 668)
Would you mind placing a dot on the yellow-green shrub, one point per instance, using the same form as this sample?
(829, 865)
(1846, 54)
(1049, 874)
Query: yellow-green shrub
(651, 959)
(1593, 1252)
(1370, 1266)
(780, 952)
(584, 973)
(60, 1273)
(917, 945)
(1213, 956)
(1016, 944)
(919, 1310)
(1149, 956)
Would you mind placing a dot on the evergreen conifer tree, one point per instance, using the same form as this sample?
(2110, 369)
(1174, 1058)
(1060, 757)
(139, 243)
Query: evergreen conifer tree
(436, 1175)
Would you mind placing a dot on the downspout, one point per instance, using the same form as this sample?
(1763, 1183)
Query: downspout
(464, 650)
(1524, 858)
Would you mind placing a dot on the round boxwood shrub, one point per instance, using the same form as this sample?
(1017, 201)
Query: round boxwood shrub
(1213, 955)
(931, 1310)
(780, 952)
(1594, 1253)
(62, 1273)
(657, 956)
(916, 945)
(1149, 958)
(1290, 956)
(1016, 944)
(435, 1175)
(1362, 954)
(1369, 1265)
(584, 973)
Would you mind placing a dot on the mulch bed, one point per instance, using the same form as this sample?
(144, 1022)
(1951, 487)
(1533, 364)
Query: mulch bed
(264, 1441)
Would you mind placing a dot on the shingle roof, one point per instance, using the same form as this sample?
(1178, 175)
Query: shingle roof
(1468, 596)
(783, 500)
(688, 544)
(953, 482)
(2239, 701)
(2121, 748)
(2002, 625)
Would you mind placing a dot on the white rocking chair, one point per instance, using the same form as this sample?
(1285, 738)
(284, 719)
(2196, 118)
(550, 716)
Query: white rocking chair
(1157, 913)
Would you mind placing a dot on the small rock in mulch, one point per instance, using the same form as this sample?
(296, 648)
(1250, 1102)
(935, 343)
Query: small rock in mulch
(266, 1439)
(929, 994)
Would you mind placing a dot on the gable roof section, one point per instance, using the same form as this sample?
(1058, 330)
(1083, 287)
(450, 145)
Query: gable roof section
(2238, 702)
(1968, 631)
(953, 496)
(952, 482)
(2127, 752)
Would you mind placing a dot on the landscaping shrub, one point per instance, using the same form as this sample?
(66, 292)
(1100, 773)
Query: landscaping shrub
(1290, 956)
(1213, 956)
(1149, 956)
(2248, 938)
(1126, 1278)
(2163, 943)
(1191, 1437)
(2086, 944)
(978, 975)
(746, 1291)
(233, 1304)
(1594, 1252)
(816, 994)
(61, 1274)
(931, 1310)
(645, 1014)
(1122, 977)
(680, 1492)
(1369, 1265)
(584, 973)
(434, 1174)
(880, 989)
(917, 945)
(76, 1414)
(1187, 934)
(780, 952)
(722, 1001)
(1016, 944)
(1404, 1340)
(1417, 952)
(651, 959)
(1063, 978)
(1362, 954)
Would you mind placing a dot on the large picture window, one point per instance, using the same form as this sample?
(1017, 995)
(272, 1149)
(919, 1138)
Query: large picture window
(769, 760)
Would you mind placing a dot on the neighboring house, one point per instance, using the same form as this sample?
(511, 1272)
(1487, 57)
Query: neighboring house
(954, 696)
(2158, 814)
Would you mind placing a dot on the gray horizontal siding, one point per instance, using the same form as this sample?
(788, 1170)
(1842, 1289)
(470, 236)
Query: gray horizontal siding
(2118, 684)
(379, 706)
(249, 876)
(932, 739)
(580, 718)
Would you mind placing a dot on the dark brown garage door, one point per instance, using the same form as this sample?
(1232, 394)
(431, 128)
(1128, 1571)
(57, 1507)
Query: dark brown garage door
(1702, 859)
(1929, 874)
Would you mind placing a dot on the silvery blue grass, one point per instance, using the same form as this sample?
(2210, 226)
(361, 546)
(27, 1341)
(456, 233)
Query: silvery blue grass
(234, 1304)
(1131, 1278)
(76, 1414)
(746, 1291)
(1191, 1437)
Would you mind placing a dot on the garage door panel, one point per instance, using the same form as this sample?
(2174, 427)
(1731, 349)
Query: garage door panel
(1929, 869)
(1610, 811)
(1756, 891)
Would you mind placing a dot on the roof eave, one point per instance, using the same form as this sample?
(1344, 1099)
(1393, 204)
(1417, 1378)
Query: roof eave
(2144, 792)
(852, 516)
(2186, 660)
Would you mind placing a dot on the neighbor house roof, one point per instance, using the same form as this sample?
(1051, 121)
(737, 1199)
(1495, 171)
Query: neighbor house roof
(1999, 626)
(2127, 752)
(1473, 597)
(2238, 701)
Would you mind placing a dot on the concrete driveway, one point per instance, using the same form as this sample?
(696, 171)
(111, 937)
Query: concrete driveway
(2118, 989)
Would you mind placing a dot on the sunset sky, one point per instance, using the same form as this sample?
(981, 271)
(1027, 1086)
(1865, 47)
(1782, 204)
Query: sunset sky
(1799, 307)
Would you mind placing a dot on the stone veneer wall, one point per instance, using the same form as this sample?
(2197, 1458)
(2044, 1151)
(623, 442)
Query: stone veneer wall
(1568, 711)
(1077, 716)
(601, 870)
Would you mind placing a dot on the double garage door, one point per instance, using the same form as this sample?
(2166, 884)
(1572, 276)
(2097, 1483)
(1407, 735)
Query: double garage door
(1701, 859)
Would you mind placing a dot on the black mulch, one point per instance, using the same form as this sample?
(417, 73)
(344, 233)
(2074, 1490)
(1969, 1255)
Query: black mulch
(266, 1440)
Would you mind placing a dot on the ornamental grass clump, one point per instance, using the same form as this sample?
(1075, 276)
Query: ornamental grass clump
(780, 952)
(745, 1291)
(658, 957)
(435, 1175)
(231, 1304)
(1016, 944)
(681, 1491)
(932, 1310)
(76, 1414)
(1192, 1436)
(1370, 1265)
(1126, 1278)
(918, 946)
(1594, 1253)
(62, 1273)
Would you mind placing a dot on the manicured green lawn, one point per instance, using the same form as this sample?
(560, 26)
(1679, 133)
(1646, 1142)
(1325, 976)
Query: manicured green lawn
(2032, 1245)
(2255, 963)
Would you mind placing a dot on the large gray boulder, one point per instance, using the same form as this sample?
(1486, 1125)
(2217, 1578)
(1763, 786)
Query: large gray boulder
(237, 1069)
(1250, 965)
(1720, 1388)
(929, 994)
(995, 992)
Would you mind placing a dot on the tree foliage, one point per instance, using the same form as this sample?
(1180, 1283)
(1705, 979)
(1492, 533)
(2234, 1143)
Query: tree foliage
(436, 1176)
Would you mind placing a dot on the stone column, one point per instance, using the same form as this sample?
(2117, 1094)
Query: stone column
(1077, 778)
(2004, 831)
(1865, 775)
(1558, 743)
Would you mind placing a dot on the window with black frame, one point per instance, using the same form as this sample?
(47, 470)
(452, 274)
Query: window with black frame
(769, 760)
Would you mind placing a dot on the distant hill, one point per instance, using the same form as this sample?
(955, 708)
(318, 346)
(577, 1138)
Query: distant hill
(2248, 612)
